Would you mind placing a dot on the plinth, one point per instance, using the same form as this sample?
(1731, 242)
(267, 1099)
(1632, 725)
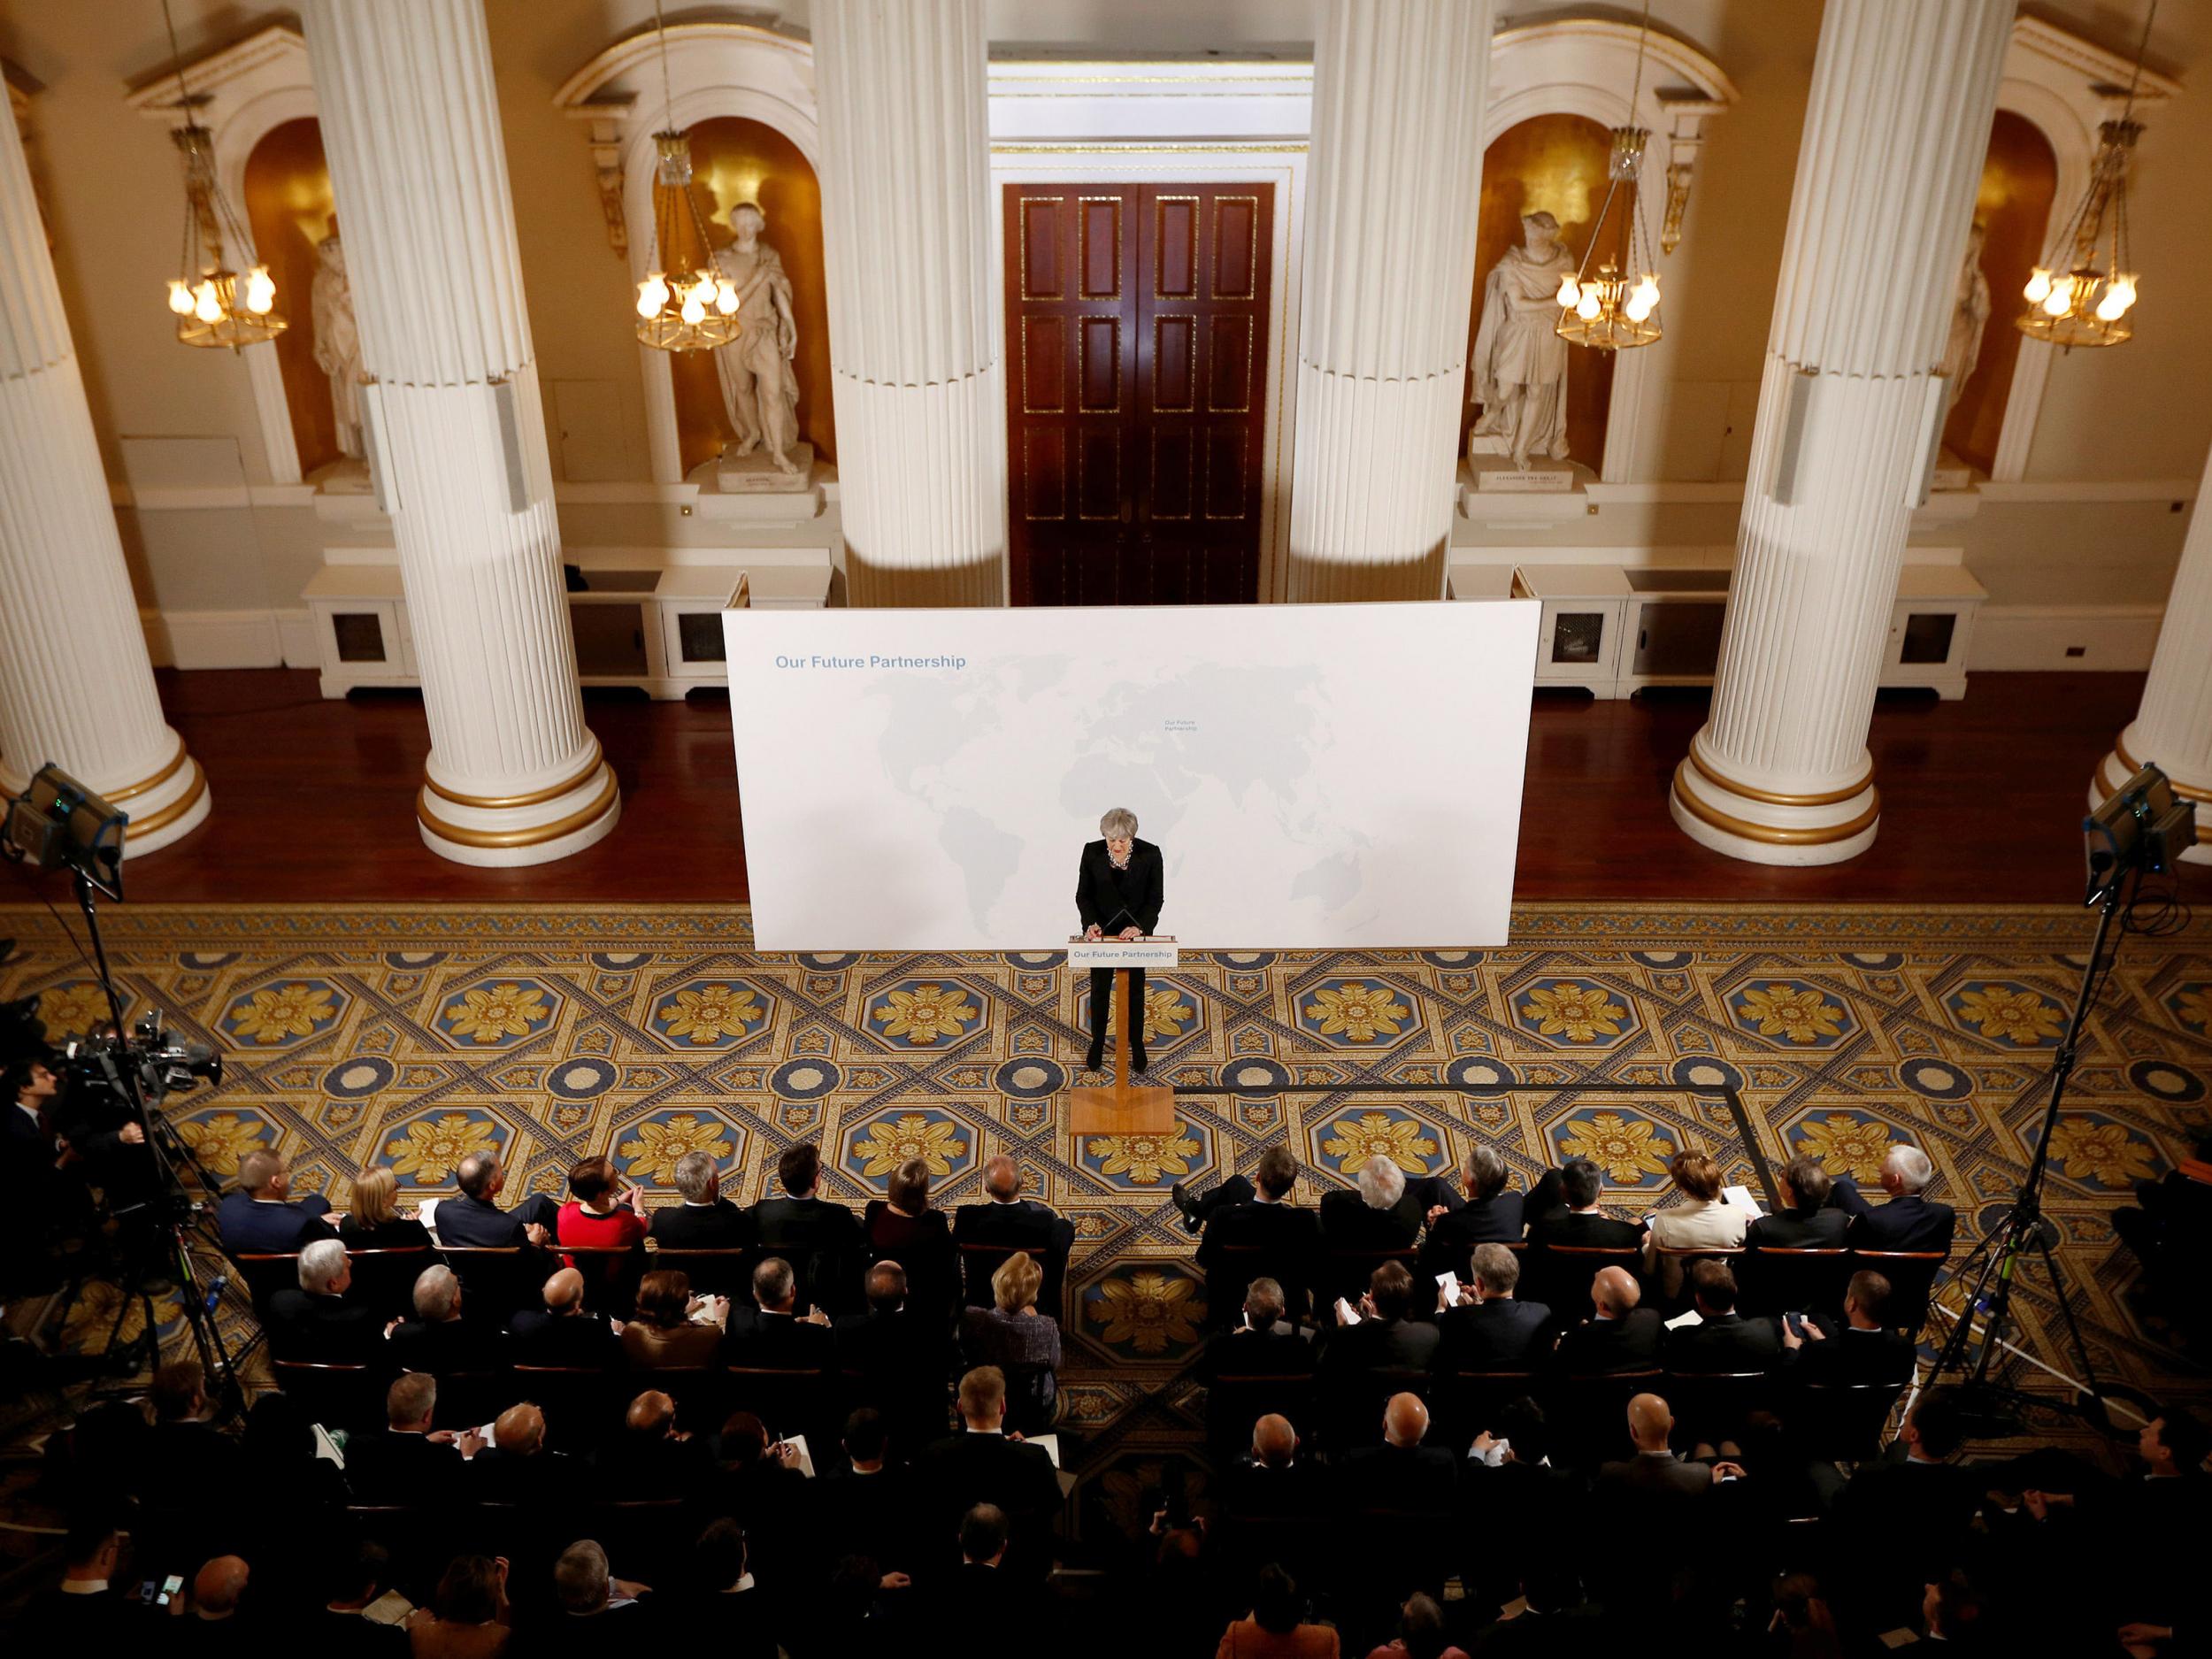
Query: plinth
(1125, 1107)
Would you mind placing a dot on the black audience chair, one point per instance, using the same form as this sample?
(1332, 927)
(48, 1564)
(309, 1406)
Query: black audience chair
(1787, 1278)
(1912, 1277)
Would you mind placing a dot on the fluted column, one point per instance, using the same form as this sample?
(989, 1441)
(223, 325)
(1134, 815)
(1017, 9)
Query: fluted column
(1894, 133)
(2172, 729)
(411, 124)
(1392, 192)
(906, 233)
(76, 686)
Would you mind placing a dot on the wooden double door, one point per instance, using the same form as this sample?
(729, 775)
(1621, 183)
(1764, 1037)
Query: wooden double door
(1136, 320)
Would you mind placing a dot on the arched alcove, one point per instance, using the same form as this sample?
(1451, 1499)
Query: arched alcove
(289, 210)
(2013, 206)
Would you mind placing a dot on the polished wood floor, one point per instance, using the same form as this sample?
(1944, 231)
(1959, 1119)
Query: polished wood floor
(314, 801)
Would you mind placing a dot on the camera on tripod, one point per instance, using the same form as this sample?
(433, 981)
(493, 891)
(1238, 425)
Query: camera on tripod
(163, 1064)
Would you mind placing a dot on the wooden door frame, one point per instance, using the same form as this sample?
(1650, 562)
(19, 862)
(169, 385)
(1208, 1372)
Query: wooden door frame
(1282, 164)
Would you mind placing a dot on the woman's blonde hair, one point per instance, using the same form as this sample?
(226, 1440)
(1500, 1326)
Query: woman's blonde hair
(375, 1197)
(1015, 1284)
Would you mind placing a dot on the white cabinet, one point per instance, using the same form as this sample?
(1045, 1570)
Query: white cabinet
(1578, 641)
(1931, 627)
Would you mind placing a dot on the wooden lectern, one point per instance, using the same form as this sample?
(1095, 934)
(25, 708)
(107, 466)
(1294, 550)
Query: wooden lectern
(1128, 1107)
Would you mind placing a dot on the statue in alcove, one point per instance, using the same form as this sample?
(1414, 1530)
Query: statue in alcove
(760, 392)
(338, 342)
(1970, 316)
(1520, 360)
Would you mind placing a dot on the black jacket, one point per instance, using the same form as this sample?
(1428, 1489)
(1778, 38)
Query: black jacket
(324, 1330)
(578, 1341)
(1501, 1334)
(1247, 1353)
(1348, 1223)
(1628, 1343)
(1112, 900)
(1419, 1479)
(1789, 1230)
(955, 1474)
(478, 1223)
(1852, 1356)
(756, 1341)
(1724, 1342)
(250, 1227)
(1908, 1222)
(720, 1226)
(1496, 1219)
(385, 1467)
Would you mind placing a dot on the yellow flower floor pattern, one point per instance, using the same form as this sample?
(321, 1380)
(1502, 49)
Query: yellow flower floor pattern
(411, 1035)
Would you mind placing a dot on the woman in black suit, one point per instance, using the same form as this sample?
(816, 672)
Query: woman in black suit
(1118, 889)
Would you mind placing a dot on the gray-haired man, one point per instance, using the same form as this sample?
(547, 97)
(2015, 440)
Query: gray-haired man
(705, 1220)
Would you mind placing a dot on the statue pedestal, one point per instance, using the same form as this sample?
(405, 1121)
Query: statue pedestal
(1950, 472)
(1496, 474)
(347, 476)
(755, 474)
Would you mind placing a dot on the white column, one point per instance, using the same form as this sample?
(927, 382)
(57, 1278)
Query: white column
(907, 235)
(76, 686)
(1392, 198)
(411, 124)
(2172, 729)
(1894, 133)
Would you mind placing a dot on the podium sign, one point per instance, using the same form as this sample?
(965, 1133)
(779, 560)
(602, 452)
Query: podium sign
(1127, 1107)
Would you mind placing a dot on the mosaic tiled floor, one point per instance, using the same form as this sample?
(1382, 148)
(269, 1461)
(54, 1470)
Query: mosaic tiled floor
(412, 1035)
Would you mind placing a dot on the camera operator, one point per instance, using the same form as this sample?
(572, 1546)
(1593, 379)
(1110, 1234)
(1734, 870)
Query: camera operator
(68, 1133)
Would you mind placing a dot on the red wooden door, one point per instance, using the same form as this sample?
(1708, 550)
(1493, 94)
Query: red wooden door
(1136, 319)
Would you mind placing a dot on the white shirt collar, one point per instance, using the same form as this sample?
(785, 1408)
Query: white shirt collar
(84, 1586)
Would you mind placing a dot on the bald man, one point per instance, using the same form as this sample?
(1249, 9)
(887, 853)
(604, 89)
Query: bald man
(653, 1457)
(1655, 1485)
(1273, 1502)
(562, 1334)
(518, 1467)
(1621, 1335)
(1009, 1222)
(1402, 1473)
(218, 1588)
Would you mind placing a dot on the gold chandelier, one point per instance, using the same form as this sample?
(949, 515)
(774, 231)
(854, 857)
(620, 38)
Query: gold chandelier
(680, 306)
(214, 305)
(1616, 306)
(2081, 293)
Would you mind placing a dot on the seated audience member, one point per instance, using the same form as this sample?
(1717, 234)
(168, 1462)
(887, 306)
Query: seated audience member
(1951, 1609)
(1273, 1501)
(865, 1500)
(469, 1614)
(774, 1335)
(192, 1463)
(563, 1332)
(896, 1358)
(981, 1465)
(1490, 1330)
(983, 1536)
(1262, 1344)
(1007, 1221)
(2168, 1227)
(718, 1605)
(1654, 1487)
(1387, 1335)
(88, 1605)
(261, 1218)
(1013, 1336)
(601, 1213)
(755, 1480)
(439, 1338)
(1705, 1222)
(1378, 1214)
(1620, 1336)
(652, 1458)
(518, 1467)
(472, 1219)
(320, 1323)
(1490, 1215)
(1722, 1339)
(1898, 1523)
(364, 1617)
(407, 1460)
(1401, 1474)
(705, 1220)
(1908, 1222)
(663, 1332)
(1803, 1221)
(1421, 1633)
(809, 1231)
(902, 1227)
(1563, 1209)
(1863, 1351)
(279, 1451)
(1274, 1628)
(596, 1608)
(1252, 1226)
(374, 1222)
(1508, 1472)
(218, 1597)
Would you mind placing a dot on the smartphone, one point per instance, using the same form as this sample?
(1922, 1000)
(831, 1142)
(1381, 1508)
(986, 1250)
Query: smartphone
(1797, 1324)
(161, 1594)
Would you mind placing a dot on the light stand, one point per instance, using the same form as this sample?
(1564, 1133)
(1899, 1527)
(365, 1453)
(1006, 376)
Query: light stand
(2141, 830)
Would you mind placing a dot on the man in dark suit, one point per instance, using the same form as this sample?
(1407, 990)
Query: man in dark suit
(473, 1218)
(821, 1239)
(1722, 1339)
(1272, 1501)
(1385, 1334)
(1899, 1521)
(1378, 1214)
(89, 1611)
(652, 1458)
(1255, 1220)
(705, 1220)
(895, 1359)
(1490, 1330)
(1862, 1351)
(261, 1219)
(1120, 887)
(1656, 1489)
(190, 1464)
(1563, 1209)
(1621, 1336)
(1264, 1345)
(980, 1465)
(865, 1500)
(1401, 1474)
(439, 1338)
(319, 1323)
(518, 1467)
(1908, 1222)
(407, 1460)
(774, 1335)
(1804, 1222)
(1490, 1215)
(1009, 1222)
(562, 1332)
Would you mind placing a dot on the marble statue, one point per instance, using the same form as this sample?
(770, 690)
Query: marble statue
(338, 342)
(1970, 316)
(1520, 361)
(759, 390)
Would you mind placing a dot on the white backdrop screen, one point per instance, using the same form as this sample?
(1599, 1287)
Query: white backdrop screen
(1314, 775)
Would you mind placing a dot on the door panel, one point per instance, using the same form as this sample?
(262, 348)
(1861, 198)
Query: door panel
(1137, 316)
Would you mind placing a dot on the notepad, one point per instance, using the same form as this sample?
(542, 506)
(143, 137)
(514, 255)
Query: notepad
(1049, 1444)
(1689, 1317)
(1448, 1286)
(325, 1447)
(805, 1463)
(1344, 1313)
(1741, 1198)
(426, 1212)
